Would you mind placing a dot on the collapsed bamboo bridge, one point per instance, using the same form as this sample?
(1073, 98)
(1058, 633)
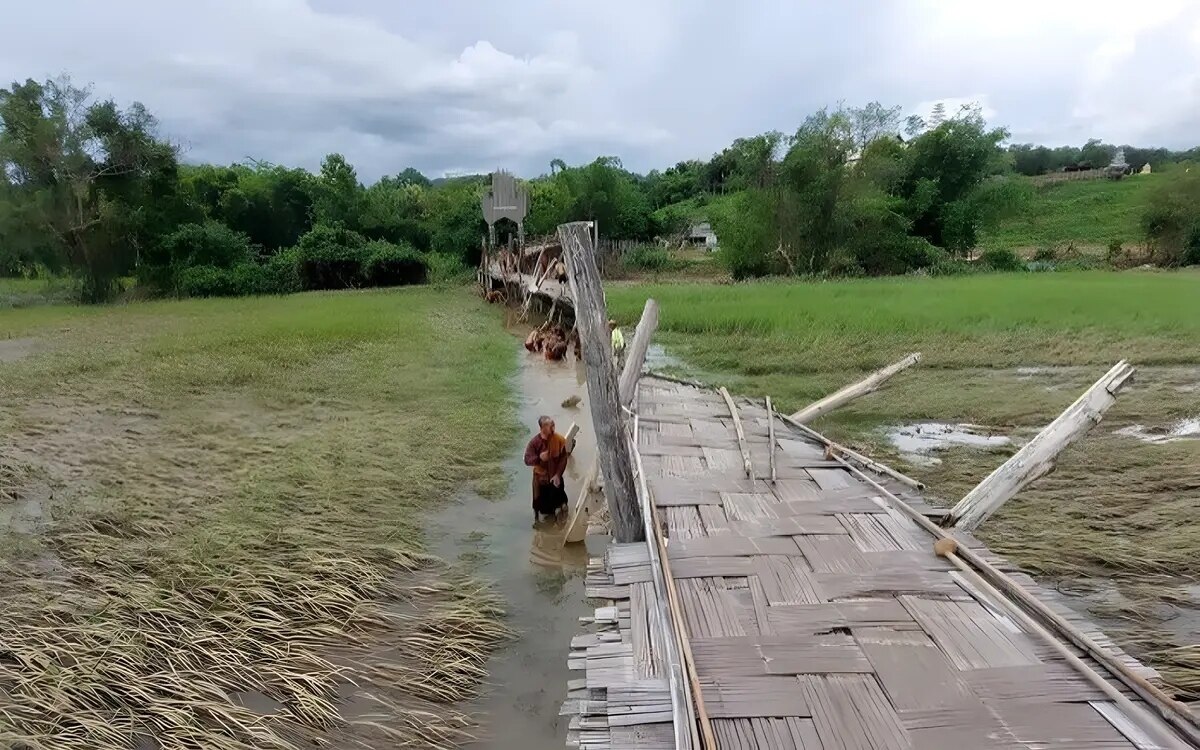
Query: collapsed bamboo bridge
(769, 588)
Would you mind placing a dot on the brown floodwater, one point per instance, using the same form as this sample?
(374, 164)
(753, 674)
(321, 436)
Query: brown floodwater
(540, 579)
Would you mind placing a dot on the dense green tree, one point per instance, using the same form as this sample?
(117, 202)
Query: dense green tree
(79, 176)
(396, 210)
(1096, 153)
(675, 184)
(338, 194)
(944, 170)
(411, 176)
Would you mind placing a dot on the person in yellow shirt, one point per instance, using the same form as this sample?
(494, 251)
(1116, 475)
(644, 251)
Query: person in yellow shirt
(618, 345)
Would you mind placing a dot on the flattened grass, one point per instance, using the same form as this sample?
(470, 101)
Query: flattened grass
(235, 489)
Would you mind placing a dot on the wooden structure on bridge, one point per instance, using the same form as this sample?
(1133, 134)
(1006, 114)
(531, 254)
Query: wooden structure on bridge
(790, 594)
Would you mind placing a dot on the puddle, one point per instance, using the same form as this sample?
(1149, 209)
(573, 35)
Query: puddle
(1183, 429)
(1026, 373)
(12, 350)
(541, 582)
(917, 442)
(659, 360)
(24, 501)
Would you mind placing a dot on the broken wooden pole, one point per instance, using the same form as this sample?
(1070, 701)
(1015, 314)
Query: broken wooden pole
(1037, 458)
(635, 358)
(604, 399)
(867, 385)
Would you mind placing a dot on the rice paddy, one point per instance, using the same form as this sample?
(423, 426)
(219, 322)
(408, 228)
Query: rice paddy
(1115, 526)
(221, 545)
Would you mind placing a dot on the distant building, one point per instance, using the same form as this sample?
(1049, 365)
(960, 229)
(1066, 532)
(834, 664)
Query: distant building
(702, 234)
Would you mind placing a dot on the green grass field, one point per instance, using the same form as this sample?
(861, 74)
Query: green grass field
(30, 292)
(248, 472)
(993, 320)
(1088, 214)
(1116, 512)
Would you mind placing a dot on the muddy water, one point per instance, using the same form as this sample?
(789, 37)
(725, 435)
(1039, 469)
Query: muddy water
(541, 582)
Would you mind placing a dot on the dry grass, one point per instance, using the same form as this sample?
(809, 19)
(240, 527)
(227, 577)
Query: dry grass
(231, 559)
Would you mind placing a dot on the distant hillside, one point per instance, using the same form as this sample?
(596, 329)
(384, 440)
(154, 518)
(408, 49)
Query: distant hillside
(1088, 213)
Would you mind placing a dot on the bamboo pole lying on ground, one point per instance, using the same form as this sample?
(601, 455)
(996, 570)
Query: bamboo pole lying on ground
(867, 385)
(604, 397)
(838, 449)
(741, 434)
(627, 387)
(1037, 458)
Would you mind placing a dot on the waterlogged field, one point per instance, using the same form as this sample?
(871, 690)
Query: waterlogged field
(1116, 525)
(210, 526)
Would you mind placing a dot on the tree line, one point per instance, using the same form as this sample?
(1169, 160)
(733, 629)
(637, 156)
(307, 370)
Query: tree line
(1032, 160)
(92, 190)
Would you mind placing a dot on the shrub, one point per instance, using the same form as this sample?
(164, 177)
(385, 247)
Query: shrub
(1116, 256)
(446, 269)
(331, 257)
(1172, 221)
(843, 263)
(1047, 254)
(646, 258)
(393, 265)
(1191, 245)
(1001, 259)
(1082, 263)
(943, 263)
(281, 274)
(210, 281)
(208, 244)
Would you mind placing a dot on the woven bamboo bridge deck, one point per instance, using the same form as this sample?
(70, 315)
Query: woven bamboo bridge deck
(817, 615)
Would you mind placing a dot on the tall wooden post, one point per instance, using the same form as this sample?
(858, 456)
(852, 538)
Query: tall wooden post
(591, 318)
(635, 359)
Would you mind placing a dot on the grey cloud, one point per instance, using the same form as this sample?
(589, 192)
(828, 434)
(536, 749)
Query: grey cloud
(476, 85)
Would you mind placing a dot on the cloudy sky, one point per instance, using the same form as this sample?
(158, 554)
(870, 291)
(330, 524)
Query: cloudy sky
(471, 85)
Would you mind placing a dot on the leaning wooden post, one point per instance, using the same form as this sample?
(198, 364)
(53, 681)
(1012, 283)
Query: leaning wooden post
(635, 358)
(851, 392)
(635, 354)
(591, 318)
(1037, 458)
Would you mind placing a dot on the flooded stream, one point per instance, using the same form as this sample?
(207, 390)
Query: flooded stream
(540, 581)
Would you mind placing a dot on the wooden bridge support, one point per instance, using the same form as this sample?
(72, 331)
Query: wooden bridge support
(604, 398)
(635, 357)
(1037, 458)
